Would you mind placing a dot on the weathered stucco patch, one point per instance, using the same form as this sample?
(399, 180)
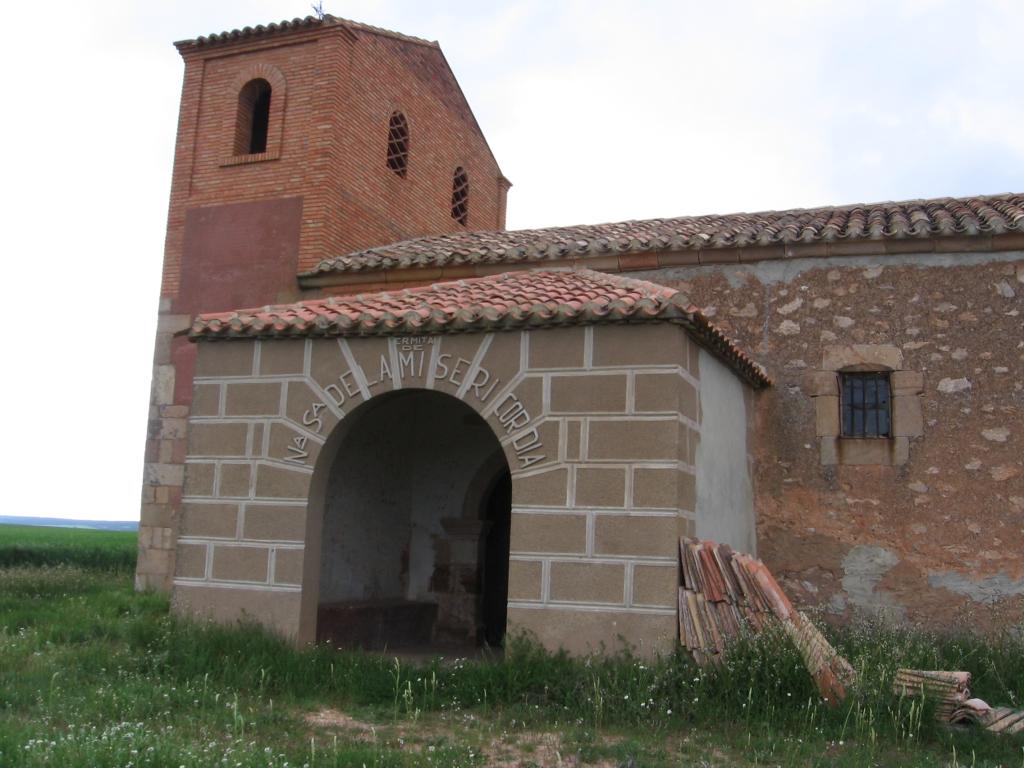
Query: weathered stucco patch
(863, 567)
(988, 590)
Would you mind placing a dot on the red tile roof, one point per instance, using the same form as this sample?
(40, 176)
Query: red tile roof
(508, 301)
(262, 30)
(992, 215)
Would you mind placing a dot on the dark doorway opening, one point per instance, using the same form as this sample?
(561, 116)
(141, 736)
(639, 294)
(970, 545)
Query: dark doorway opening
(497, 512)
(415, 538)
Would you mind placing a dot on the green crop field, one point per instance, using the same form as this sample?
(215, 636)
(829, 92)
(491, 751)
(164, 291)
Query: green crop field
(93, 674)
(96, 550)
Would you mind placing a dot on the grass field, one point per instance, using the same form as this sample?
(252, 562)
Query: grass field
(95, 550)
(93, 674)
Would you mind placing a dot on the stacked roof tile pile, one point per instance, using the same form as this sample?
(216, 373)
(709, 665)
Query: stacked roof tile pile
(949, 689)
(512, 300)
(941, 217)
(952, 694)
(726, 593)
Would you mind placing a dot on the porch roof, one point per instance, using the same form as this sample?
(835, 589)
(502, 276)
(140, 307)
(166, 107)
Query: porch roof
(518, 300)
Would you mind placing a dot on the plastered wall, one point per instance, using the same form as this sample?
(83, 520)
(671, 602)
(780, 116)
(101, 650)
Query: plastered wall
(725, 494)
(933, 530)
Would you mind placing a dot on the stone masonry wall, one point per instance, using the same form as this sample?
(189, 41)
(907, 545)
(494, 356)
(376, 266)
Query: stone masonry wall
(932, 532)
(599, 426)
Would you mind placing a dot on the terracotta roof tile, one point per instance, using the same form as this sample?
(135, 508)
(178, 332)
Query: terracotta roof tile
(992, 215)
(508, 301)
(287, 25)
(725, 595)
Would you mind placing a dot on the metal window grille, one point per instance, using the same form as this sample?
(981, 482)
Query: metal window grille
(865, 405)
(398, 144)
(460, 196)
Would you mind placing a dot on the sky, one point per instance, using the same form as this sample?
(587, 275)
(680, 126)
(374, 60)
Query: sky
(596, 110)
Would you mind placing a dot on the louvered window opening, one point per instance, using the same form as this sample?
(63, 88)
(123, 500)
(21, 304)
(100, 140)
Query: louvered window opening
(460, 196)
(398, 144)
(866, 405)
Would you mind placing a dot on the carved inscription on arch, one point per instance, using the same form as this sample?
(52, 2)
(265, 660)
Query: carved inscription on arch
(412, 357)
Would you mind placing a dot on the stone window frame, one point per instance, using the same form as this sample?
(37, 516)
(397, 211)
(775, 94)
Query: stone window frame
(275, 124)
(867, 406)
(905, 390)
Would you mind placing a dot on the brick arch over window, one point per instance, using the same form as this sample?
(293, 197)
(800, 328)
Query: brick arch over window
(246, 91)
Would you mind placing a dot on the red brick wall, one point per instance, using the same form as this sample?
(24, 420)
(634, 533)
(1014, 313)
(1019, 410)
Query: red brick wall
(239, 254)
(340, 90)
(381, 207)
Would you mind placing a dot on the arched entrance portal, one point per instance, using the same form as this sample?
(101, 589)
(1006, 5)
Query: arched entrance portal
(415, 533)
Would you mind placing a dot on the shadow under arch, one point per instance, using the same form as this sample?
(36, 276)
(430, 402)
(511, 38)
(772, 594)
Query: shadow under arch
(407, 527)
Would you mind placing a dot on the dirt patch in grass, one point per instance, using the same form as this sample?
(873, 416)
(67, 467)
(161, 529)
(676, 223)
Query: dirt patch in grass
(518, 749)
(538, 749)
(334, 719)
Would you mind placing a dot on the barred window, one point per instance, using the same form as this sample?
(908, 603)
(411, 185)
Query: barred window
(865, 404)
(460, 196)
(398, 144)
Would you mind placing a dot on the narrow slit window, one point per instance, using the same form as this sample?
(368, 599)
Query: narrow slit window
(865, 404)
(253, 122)
(398, 144)
(460, 196)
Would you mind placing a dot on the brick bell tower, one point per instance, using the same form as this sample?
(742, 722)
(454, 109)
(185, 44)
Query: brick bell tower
(296, 142)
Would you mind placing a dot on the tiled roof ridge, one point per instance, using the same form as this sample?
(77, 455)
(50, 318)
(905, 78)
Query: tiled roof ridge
(287, 25)
(506, 301)
(922, 218)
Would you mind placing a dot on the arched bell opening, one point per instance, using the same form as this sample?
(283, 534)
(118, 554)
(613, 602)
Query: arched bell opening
(413, 504)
